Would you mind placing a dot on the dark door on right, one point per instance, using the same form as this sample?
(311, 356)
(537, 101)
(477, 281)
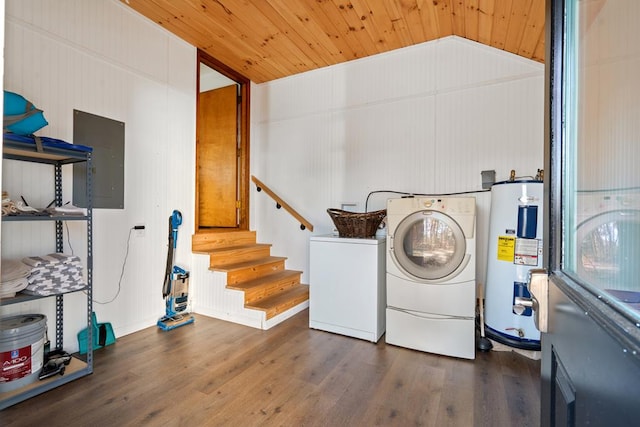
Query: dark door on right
(591, 353)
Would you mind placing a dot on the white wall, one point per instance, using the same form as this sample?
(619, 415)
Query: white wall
(101, 57)
(424, 119)
(609, 113)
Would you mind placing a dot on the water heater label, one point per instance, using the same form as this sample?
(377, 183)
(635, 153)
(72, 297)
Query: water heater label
(526, 252)
(506, 248)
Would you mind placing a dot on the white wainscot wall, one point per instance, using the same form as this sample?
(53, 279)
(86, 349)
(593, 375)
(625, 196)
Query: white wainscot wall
(424, 119)
(102, 58)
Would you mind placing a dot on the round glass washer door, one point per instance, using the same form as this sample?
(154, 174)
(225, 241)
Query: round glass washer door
(429, 245)
(608, 250)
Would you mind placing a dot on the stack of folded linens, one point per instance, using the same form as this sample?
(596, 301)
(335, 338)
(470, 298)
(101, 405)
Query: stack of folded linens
(14, 277)
(54, 274)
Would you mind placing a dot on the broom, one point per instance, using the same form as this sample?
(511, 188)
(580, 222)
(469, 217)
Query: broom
(484, 344)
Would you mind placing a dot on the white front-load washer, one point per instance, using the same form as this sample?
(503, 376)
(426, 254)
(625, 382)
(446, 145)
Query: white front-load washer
(607, 234)
(431, 287)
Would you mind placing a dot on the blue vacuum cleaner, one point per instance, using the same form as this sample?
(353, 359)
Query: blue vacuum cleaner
(175, 290)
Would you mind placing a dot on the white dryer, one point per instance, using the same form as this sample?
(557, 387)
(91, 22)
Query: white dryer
(607, 231)
(431, 267)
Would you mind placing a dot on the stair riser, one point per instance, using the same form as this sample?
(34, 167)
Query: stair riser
(203, 242)
(268, 290)
(251, 273)
(284, 306)
(250, 268)
(231, 257)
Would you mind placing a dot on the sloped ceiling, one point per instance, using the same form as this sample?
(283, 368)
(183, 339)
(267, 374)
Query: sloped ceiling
(269, 39)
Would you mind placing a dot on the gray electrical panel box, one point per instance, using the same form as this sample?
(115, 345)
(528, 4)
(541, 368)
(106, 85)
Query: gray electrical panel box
(106, 137)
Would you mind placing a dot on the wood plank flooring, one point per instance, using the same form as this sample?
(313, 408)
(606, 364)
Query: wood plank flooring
(215, 373)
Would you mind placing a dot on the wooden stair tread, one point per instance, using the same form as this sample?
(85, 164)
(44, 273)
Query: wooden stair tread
(281, 275)
(250, 268)
(248, 264)
(282, 301)
(221, 257)
(205, 241)
(236, 248)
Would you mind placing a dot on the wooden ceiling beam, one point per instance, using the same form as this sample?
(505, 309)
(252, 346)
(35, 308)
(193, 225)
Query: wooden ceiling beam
(229, 16)
(430, 22)
(412, 11)
(304, 42)
(457, 18)
(399, 24)
(269, 39)
(378, 25)
(500, 25)
(445, 20)
(195, 29)
(471, 19)
(517, 24)
(308, 29)
(533, 32)
(485, 21)
(356, 28)
(374, 30)
(326, 28)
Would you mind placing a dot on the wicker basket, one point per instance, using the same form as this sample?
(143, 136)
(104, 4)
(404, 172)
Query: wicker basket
(354, 224)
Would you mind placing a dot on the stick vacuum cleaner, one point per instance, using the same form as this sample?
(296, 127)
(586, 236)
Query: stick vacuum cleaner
(175, 290)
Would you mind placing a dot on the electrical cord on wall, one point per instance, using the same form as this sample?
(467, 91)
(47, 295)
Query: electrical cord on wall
(124, 263)
(66, 225)
(366, 203)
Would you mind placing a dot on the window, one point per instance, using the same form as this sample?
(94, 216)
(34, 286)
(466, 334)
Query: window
(601, 152)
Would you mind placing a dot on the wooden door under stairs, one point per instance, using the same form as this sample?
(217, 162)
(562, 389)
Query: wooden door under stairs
(249, 266)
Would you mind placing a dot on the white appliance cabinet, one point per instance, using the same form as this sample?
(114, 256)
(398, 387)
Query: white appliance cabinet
(347, 293)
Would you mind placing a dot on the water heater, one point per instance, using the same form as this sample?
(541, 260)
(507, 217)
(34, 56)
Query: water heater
(515, 247)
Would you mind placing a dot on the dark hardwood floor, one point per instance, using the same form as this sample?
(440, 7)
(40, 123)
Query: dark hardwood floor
(215, 373)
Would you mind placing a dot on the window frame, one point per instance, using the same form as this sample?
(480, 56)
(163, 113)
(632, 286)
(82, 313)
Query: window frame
(620, 327)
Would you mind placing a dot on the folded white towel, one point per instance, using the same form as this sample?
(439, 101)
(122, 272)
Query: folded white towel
(64, 258)
(10, 288)
(69, 210)
(13, 269)
(25, 208)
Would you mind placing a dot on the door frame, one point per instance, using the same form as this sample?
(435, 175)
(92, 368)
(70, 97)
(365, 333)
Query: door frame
(244, 158)
(617, 332)
(606, 316)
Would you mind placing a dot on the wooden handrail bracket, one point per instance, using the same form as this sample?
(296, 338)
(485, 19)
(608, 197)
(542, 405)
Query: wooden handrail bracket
(304, 224)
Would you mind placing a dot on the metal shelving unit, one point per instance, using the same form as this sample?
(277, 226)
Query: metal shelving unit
(56, 153)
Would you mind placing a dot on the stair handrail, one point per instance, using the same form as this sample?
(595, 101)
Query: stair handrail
(304, 224)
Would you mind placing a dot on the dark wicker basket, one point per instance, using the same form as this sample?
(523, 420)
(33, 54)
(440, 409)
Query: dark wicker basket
(355, 224)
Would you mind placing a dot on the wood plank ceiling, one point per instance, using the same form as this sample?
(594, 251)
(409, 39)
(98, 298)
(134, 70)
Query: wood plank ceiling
(269, 39)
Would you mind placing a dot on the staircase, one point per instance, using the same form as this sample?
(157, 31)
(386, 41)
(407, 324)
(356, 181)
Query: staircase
(249, 268)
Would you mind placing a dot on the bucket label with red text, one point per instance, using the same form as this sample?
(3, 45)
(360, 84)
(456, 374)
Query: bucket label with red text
(16, 364)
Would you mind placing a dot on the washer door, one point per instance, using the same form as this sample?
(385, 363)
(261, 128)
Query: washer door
(608, 250)
(429, 245)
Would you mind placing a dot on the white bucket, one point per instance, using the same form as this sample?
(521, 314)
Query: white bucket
(21, 349)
